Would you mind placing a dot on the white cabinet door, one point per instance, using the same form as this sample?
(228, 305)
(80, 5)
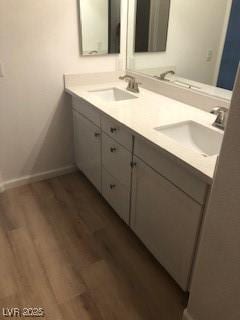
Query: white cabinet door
(166, 220)
(87, 144)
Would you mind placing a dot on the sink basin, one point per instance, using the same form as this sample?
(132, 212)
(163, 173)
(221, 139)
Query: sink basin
(195, 136)
(113, 94)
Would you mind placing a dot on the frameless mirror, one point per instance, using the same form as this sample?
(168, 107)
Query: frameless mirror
(100, 26)
(151, 25)
(202, 44)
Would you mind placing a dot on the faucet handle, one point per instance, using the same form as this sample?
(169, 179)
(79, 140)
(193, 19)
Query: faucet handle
(224, 109)
(135, 86)
(138, 82)
(216, 110)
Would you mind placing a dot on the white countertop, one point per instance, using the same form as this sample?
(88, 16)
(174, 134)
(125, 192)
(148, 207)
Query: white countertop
(149, 111)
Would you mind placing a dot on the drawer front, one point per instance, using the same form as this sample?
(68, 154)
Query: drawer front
(116, 159)
(117, 132)
(87, 110)
(116, 194)
(179, 176)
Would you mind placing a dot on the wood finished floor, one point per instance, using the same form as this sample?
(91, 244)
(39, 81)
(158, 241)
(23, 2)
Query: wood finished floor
(64, 249)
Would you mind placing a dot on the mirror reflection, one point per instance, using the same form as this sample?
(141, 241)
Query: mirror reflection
(202, 49)
(100, 26)
(151, 25)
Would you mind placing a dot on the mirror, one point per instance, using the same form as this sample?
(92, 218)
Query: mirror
(202, 43)
(100, 26)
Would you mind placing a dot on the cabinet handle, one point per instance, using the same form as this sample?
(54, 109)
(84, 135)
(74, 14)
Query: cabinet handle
(113, 130)
(113, 149)
(133, 164)
(112, 186)
(97, 134)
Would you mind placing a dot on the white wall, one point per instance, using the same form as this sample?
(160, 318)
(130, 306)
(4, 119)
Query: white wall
(215, 290)
(39, 41)
(194, 28)
(94, 19)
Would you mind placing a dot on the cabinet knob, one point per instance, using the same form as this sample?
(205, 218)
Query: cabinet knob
(113, 130)
(113, 149)
(112, 186)
(97, 134)
(133, 164)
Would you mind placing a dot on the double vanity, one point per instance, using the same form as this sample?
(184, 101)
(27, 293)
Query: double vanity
(153, 159)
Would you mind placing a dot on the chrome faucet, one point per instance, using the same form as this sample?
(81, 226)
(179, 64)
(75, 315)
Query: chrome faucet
(222, 117)
(132, 83)
(163, 75)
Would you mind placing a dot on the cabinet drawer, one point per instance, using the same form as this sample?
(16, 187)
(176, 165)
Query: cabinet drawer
(116, 194)
(87, 110)
(117, 132)
(116, 159)
(179, 176)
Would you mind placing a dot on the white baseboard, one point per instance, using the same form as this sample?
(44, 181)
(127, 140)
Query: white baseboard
(186, 315)
(36, 177)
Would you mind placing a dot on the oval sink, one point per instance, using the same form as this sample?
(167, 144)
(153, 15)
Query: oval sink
(192, 135)
(113, 94)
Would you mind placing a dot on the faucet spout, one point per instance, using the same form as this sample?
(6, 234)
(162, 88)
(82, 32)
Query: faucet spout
(126, 77)
(163, 75)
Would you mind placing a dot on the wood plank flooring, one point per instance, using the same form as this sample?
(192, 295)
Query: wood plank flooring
(64, 249)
